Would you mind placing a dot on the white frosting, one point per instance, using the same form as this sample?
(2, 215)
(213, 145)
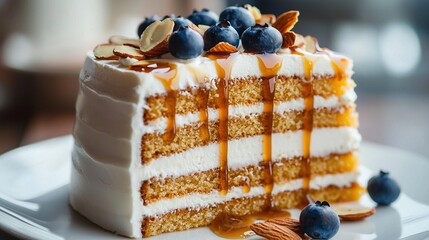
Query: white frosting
(107, 170)
(333, 102)
(198, 200)
(248, 151)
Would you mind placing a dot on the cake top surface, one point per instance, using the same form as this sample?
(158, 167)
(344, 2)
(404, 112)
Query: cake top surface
(177, 53)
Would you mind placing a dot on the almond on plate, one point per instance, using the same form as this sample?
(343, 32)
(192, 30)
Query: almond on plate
(154, 39)
(274, 231)
(354, 212)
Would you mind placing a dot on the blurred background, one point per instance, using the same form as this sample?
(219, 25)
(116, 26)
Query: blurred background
(43, 44)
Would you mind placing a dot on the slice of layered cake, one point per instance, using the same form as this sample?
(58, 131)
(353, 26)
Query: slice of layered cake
(197, 121)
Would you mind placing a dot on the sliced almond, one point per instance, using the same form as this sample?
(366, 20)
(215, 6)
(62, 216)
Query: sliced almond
(196, 29)
(154, 39)
(310, 44)
(267, 19)
(105, 52)
(121, 40)
(299, 41)
(128, 52)
(286, 21)
(223, 47)
(273, 231)
(354, 213)
(288, 39)
(256, 13)
(203, 28)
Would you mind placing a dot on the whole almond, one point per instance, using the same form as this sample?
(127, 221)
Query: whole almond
(288, 39)
(286, 21)
(290, 223)
(273, 231)
(223, 47)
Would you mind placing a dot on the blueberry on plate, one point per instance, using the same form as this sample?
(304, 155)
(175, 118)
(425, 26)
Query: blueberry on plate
(221, 32)
(319, 221)
(180, 22)
(186, 43)
(147, 21)
(261, 39)
(239, 17)
(203, 17)
(383, 189)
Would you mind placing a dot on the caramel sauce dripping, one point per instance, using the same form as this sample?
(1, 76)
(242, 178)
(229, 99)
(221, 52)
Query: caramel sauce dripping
(231, 226)
(202, 102)
(269, 66)
(202, 95)
(340, 79)
(166, 73)
(308, 94)
(223, 65)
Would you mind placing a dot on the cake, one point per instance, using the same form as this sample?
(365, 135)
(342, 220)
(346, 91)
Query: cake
(169, 137)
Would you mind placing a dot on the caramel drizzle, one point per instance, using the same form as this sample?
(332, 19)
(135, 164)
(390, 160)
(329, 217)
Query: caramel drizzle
(231, 226)
(223, 65)
(308, 94)
(202, 102)
(166, 73)
(202, 94)
(269, 66)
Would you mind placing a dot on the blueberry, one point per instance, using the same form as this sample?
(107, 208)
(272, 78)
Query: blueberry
(204, 17)
(180, 22)
(148, 21)
(221, 32)
(383, 189)
(319, 221)
(186, 43)
(172, 16)
(239, 17)
(261, 39)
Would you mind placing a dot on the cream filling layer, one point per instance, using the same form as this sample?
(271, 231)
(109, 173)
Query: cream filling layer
(197, 200)
(334, 102)
(248, 151)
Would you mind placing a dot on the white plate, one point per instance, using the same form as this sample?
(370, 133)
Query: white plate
(33, 197)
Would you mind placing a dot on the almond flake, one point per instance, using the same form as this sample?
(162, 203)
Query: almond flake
(299, 41)
(288, 39)
(223, 47)
(310, 44)
(354, 213)
(196, 29)
(105, 52)
(256, 13)
(269, 19)
(121, 40)
(154, 39)
(203, 28)
(286, 21)
(128, 52)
